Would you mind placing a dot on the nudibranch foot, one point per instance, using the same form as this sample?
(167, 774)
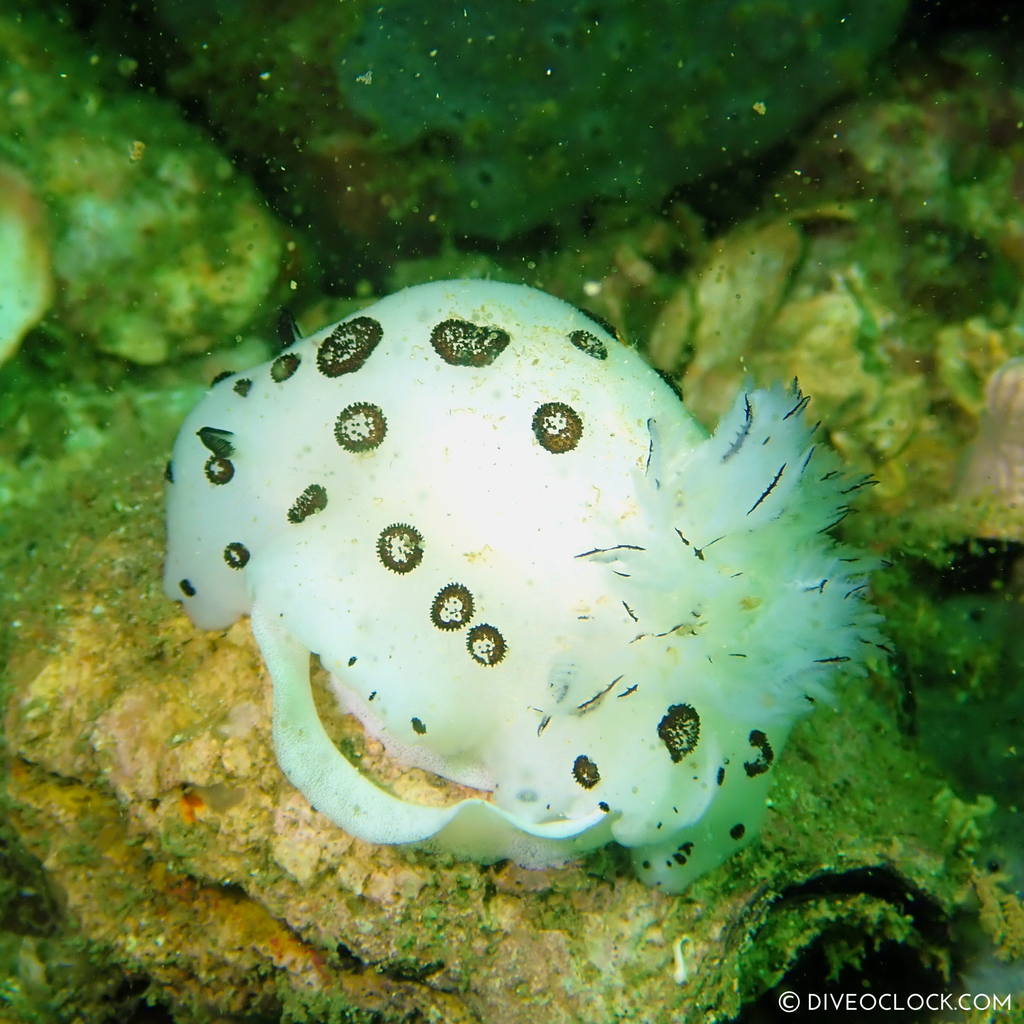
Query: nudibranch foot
(336, 788)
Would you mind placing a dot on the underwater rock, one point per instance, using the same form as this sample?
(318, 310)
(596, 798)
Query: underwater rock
(541, 112)
(490, 125)
(886, 273)
(158, 247)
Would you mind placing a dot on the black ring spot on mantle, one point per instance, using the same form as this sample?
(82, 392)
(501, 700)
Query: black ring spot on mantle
(557, 427)
(284, 366)
(765, 755)
(590, 344)
(452, 608)
(679, 730)
(236, 555)
(461, 343)
(312, 500)
(485, 644)
(400, 547)
(186, 588)
(585, 772)
(348, 346)
(241, 386)
(218, 470)
(360, 427)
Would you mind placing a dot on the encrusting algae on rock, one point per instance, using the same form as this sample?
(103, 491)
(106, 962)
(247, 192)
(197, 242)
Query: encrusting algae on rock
(159, 248)
(527, 570)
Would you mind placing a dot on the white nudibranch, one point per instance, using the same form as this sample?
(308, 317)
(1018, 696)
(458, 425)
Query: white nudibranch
(526, 569)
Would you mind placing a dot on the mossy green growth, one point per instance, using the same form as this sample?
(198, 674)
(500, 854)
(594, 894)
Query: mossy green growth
(299, 1006)
(158, 246)
(842, 933)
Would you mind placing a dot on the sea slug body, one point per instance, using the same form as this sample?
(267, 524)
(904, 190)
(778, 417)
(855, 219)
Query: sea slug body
(527, 569)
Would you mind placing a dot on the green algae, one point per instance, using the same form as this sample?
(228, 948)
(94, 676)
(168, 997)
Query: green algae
(158, 247)
(420, 122)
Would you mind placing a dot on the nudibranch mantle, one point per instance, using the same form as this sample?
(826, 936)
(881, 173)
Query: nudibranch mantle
(527, 570)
